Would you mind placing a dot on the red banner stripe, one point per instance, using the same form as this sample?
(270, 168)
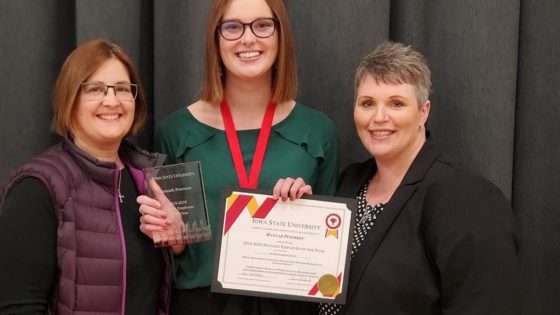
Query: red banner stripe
(265, 208)
(235, 210)
(314, 290)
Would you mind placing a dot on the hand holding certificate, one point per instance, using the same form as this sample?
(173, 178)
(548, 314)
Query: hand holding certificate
(292, 250)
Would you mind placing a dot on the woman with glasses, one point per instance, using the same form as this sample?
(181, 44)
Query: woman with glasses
(247, 130)
(69, 217)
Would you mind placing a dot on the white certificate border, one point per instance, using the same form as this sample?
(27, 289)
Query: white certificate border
(338, 269)
(216, 286)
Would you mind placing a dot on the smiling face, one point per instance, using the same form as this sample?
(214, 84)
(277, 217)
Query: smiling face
(388, 119)
(102, 124)
(249, 57)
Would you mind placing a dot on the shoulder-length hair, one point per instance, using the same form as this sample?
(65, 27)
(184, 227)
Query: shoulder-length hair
(284, 77)
(77, 68)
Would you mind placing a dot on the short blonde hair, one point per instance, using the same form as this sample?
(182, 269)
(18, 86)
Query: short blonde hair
(395, 63)
(77, 68)
(284, 78)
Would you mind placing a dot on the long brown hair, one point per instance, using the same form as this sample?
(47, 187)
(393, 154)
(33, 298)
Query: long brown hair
(284, 79)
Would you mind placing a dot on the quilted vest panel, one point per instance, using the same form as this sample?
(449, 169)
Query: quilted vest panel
(90, 244)
(89, 247)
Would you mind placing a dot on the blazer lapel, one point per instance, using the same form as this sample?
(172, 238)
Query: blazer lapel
(375, 236)
(404, 192)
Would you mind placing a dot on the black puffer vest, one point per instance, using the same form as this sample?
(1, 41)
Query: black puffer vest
(91, 253)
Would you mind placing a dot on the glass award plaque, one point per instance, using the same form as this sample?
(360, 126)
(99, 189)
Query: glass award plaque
(183, 185)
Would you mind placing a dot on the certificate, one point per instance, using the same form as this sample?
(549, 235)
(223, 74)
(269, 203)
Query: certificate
(289, 250)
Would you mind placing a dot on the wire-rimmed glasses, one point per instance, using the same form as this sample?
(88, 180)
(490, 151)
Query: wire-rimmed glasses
(97, 90)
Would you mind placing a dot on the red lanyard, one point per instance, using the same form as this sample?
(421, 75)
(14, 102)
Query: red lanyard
(235, 150)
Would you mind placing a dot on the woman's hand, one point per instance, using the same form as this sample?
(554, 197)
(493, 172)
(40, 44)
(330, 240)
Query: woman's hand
(160, 220)
(289, 188)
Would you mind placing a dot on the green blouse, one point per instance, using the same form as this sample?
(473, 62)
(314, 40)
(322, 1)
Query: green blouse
(304, 144)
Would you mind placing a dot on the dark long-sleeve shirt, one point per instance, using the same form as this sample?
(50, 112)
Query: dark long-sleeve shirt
(28, 228)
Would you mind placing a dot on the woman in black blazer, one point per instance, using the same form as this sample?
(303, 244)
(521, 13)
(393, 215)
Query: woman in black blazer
(430, 238)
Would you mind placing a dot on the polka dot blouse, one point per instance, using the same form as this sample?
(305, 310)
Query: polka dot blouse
(365, 221)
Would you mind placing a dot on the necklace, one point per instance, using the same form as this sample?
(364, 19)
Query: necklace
(370, 211)
(121, 196)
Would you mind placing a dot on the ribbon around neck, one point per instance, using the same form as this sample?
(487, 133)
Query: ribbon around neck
(251, 181)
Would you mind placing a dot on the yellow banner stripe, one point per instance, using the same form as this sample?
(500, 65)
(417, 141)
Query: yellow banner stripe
(231, 199)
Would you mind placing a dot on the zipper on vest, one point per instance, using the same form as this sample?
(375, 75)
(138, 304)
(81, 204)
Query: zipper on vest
(116, 192)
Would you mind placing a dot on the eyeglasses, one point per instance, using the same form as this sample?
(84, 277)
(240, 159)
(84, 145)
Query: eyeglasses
(96, 91)
(234, 29)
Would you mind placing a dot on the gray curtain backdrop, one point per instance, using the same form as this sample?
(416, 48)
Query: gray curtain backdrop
(496, 74)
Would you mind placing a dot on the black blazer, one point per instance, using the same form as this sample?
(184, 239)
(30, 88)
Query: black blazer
(444, 244)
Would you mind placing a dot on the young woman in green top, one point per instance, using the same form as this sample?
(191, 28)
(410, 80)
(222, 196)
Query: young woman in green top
(250, 73)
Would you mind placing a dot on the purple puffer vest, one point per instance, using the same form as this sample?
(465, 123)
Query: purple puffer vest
(91, 252)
